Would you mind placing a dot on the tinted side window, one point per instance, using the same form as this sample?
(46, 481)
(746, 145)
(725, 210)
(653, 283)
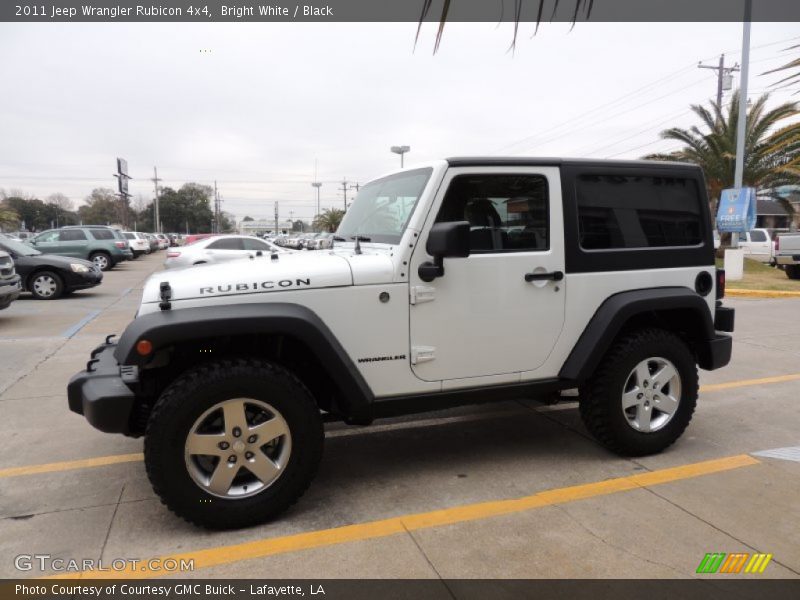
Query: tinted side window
(130, 236)
(227, 244)
(71, 235)
(620, 211)
(102, 234)
(254, 244)
(758, 236)
(506, 213)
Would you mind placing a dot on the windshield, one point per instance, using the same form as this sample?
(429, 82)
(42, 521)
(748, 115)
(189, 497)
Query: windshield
(382, 208)
(18, 248)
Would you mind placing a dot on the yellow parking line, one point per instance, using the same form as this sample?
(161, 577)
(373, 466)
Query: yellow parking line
(69, 465)
(102, 461)
(714, 387)
(221, 555)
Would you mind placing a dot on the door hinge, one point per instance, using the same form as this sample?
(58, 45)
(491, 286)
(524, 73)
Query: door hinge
(421, 354)
(422, 293)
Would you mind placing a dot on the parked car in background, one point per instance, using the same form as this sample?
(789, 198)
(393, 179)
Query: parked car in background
(151, 239)
(163, 241)
(50, 276)
(320, 241)
(787, 254)
(23, 235)
(104, 246)
(10, 283)
(219, 248)
(757, 245)
(138, 243)
(191, 239)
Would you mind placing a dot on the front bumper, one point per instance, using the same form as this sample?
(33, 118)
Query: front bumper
(10, 289)
(99, 393)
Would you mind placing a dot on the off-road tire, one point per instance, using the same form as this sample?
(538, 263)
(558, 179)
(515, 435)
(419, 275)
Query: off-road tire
(196, 391)
(792, 271)
(600, 397)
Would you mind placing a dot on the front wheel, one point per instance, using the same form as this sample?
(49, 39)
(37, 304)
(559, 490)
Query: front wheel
(792, 271)
(642, 396)
(46, 285)
(233, 443)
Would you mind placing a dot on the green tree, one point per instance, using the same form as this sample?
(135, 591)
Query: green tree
(9, 219)
(328, 220)
(227, 222)
(771, 151)
(188, 205)
(248, 219)
(102, 207)
(34, 214)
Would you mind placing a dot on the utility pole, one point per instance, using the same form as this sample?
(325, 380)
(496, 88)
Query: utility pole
(724, 77)
(276, 218)
(346, 186)
(156, 215)
(217, 209)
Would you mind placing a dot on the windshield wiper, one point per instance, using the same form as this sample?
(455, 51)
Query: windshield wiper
(359, 239)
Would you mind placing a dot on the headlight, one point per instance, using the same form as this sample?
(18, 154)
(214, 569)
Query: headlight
(76, 268)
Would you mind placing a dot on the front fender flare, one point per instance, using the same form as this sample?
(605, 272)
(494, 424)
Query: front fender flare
(168, 327)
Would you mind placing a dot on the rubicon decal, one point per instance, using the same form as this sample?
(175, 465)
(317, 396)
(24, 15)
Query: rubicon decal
(736, 562)
(255, 286)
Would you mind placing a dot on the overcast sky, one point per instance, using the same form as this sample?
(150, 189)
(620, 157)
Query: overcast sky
(265, 100)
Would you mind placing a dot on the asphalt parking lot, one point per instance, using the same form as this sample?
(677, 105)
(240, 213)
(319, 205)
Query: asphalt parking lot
(511, 490)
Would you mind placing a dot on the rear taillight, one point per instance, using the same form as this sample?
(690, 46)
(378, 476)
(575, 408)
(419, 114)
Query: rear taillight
(173, 254)
(121, 244)
(720, 284)
(777, 244)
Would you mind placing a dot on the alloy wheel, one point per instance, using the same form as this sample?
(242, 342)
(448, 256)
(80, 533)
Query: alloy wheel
(651, 394)
(238, 448)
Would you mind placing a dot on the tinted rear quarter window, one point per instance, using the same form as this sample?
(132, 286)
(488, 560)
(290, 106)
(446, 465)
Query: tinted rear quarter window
(638, 211)
(71, 235)
(227, 244)
(102, 234)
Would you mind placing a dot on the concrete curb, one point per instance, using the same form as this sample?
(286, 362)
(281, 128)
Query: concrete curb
(736, 293)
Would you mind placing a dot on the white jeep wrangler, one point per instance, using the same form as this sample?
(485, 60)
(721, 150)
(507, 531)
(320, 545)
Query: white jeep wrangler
(467, 280)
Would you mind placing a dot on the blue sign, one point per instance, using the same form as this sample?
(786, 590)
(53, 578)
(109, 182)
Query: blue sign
(737, 210)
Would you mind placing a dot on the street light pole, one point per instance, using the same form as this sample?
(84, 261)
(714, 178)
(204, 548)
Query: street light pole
(401, 150)
(738, 179)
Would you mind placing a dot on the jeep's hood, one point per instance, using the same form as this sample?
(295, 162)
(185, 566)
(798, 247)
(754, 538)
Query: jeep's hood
(262, 274)
(291, 271)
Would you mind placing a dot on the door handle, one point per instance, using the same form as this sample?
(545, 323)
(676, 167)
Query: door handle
(552, 276)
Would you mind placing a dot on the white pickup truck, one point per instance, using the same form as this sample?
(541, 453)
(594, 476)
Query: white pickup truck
(787, 254)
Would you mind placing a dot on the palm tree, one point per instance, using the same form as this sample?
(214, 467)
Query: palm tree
(328, 220)
(793, 66)
(584, 6)
(772, 152)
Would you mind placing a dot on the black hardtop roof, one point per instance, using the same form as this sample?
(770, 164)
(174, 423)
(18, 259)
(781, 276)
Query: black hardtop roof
(530, 161)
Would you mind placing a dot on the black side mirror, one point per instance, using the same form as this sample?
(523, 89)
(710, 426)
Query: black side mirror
(446, 240)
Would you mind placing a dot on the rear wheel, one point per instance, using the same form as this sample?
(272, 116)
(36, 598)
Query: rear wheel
(642, 396)
(233, 443)
(102, 261)
(792, 271)
(46, 285)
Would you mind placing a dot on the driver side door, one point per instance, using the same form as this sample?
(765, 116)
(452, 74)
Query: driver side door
(499, 311)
